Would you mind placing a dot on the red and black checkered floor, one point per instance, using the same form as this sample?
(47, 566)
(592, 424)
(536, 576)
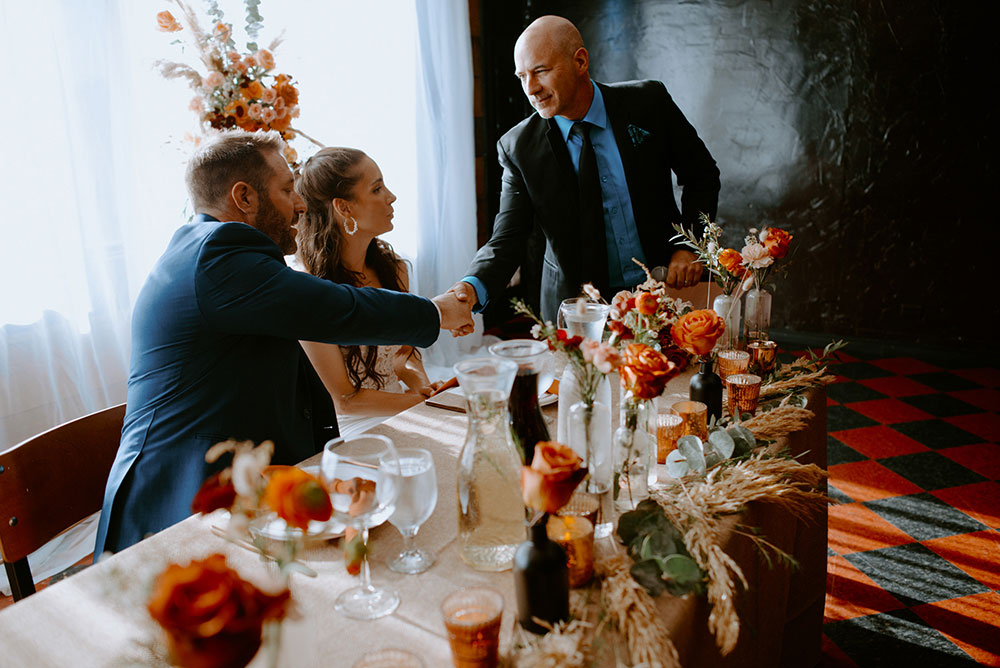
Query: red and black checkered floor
(913, 573)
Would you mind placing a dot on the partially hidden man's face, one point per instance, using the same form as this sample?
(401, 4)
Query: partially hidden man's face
(552, 80)
(279, 206)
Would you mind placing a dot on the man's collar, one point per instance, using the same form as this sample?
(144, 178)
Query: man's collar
(204, 218)
(596, 115)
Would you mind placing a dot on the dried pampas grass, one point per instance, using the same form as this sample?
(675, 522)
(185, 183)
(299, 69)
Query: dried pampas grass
(632, 609)
(779, 422)
(696, 508)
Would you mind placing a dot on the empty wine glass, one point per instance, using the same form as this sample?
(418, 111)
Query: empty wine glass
(362, 477)
(414, 505)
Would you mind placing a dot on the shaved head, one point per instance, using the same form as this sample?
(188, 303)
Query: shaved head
(552, 32)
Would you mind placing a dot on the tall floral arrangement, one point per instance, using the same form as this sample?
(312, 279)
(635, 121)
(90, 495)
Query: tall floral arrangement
(234, 87)
(761, 249)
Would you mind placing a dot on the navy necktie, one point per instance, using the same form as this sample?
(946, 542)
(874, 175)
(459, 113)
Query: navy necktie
(591, 209)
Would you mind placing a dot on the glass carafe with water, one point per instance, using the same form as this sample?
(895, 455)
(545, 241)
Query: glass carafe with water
(490, 507)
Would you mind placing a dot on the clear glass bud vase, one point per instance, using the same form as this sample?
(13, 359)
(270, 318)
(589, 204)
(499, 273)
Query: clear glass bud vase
(757, 321)
(633, 446)
(729, 310)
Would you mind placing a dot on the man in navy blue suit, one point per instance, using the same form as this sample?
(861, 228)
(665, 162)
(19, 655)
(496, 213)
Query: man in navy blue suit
(215, 332)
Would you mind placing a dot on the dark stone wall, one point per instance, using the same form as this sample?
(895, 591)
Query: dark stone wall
(861, 127)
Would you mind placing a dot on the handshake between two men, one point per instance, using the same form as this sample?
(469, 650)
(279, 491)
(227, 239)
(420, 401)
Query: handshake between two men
(455, 306)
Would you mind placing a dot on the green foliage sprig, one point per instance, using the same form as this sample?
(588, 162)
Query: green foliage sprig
(662, 562)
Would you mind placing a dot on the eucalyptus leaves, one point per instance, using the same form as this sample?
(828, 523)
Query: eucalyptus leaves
(693, 455)
(662, 563)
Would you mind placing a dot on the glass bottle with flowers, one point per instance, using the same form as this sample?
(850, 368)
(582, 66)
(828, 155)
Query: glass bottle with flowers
(588, 430)
(541, 573)
(644, 374)
(697, 333)
(727, 269)
(759, 254)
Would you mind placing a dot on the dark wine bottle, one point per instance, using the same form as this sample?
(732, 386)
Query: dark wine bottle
(527, 424)
(541, 579)
(706, 387)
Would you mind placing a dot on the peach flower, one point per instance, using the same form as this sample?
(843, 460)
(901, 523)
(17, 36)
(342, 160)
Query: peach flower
(256, 111)
(264, 59)
(602, 355)
(755, 256)
(213, 79)
(223, 31)
(165, 22)
(268, 115)
(549, 482)
(269, 96)
(697, 331)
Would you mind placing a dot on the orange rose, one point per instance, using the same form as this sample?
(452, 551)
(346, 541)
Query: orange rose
(253, 91)
(211, 615)
(646, 303)
(645, 371)
(731, 261)
(697, 331)
(216, 492)
(281, 123)
(776, 242)
(165, 22)
(297, 496)
(287, 92)
(239, 111)
(554, 473)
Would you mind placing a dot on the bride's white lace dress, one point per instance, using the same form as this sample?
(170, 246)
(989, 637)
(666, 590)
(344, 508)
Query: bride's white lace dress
(358, 424)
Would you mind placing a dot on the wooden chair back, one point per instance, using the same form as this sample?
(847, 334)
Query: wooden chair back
(50, 482)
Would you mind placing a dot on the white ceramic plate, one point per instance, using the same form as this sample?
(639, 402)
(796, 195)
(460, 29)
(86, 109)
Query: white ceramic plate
(547, 399)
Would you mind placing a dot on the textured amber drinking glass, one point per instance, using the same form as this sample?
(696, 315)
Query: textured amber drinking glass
(744, 391)
(668, 429)
(472, 617)
(733, 361)
(763, 356)
(694, 415)
(575, 535)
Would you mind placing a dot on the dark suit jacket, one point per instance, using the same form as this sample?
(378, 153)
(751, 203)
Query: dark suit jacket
(540, 189)
(215, 355)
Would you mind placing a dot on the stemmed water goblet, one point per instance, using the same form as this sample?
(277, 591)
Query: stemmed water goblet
(414, 505)
(362, 476)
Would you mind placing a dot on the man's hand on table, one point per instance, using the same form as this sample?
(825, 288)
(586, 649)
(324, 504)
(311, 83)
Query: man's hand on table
(456, 313)
(684, 270)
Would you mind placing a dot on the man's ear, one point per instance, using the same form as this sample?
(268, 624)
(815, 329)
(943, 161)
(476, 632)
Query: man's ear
(244, 197)
(582, 60)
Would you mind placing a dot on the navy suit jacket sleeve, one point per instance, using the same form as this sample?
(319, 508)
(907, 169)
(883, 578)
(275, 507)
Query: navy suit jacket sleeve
(244, 287)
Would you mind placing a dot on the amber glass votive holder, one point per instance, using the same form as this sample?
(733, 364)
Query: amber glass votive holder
(744, 391)
(472, 617)
(694, 416)
(733, 361)
(575, 535)
(763, 356)
(668, 429)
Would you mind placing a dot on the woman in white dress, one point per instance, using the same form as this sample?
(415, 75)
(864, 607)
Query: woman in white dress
(348, 206)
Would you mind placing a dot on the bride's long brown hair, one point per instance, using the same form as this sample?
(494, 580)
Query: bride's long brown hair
(333, 172)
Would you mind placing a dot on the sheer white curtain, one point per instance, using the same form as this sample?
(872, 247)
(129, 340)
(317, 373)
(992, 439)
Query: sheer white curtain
(445, 161)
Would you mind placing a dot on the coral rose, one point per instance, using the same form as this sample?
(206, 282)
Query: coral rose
(645, 371)
(212, 616)
(646, 303)
(549, 482)
(776, 241)
(165, 22)
(268, 96)
(731, 261)
(264, 59)
(697, 331)
(297, 496)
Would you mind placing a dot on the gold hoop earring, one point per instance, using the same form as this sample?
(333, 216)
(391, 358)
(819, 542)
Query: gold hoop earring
(353, 231)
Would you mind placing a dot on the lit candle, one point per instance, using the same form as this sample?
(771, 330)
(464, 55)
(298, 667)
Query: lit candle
(695, 416)
(763, 356)
(576, 537)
